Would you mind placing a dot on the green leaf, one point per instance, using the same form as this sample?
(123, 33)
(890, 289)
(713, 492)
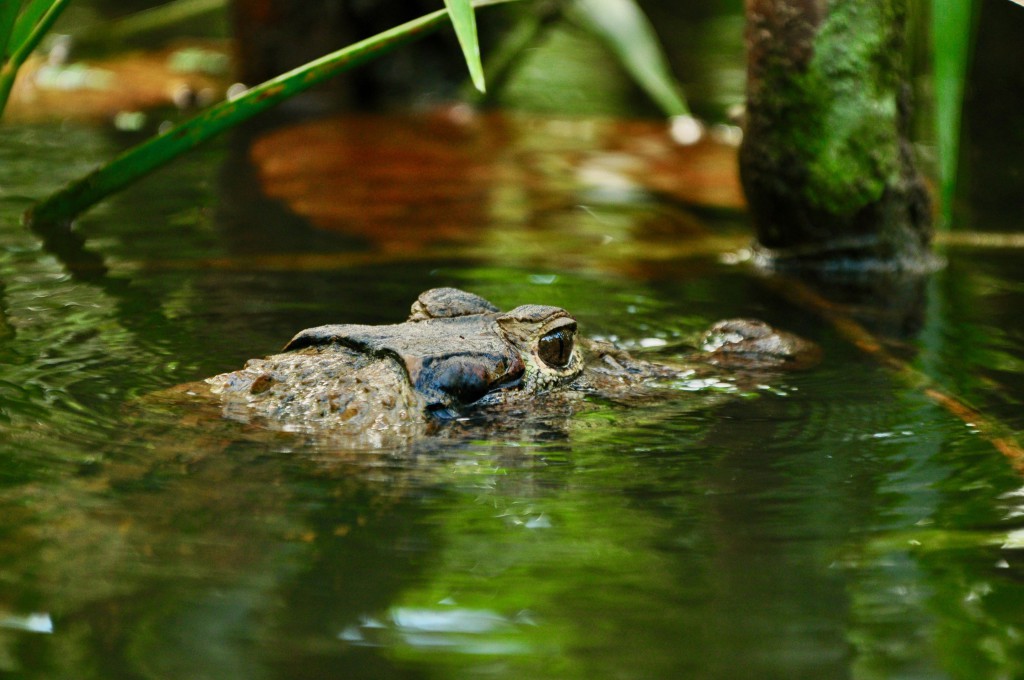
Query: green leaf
(28, 31)
(151, 154)
(464, 20)
(28, 20)
(623, 26)
(952, 28)
(153, 19)
(8, 15)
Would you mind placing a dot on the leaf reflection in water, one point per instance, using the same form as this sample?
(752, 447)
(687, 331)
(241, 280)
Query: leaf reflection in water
(452, 628)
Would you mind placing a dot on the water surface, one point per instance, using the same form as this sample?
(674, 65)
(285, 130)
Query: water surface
(831, 523)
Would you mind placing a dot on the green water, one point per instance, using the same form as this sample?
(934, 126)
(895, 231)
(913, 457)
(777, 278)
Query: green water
(832, 523)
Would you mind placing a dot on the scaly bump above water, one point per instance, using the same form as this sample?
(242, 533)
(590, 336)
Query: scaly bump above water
(457, 353)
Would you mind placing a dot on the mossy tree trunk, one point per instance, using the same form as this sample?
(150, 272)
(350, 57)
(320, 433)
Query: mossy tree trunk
(825, 163)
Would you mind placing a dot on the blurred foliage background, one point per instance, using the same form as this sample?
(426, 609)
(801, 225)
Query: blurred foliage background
(563, 68)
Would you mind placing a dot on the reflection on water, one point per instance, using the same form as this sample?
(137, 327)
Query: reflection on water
(465, 631)
(830, 523)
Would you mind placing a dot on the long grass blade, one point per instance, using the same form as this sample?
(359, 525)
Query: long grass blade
(151, 154)
(623, 26)
(464, 21)
(527, 29)
(147, 20)
(29, 18)
(24, 38)
(8, 16)
(952, 28)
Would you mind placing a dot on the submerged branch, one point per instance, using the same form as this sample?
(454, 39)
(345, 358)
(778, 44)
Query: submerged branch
(1001, 436)
(980, 239)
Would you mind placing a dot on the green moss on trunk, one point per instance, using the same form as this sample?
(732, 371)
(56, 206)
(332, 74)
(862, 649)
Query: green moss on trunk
(825, 162)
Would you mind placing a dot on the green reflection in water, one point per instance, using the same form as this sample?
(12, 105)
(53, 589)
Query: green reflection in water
(835, 525)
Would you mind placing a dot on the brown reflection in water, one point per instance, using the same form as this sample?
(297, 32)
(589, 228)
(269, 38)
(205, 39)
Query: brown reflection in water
(185, 75)
(404, 182)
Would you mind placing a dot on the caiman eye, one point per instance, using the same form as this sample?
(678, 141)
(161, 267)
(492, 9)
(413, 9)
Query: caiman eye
(555, 348)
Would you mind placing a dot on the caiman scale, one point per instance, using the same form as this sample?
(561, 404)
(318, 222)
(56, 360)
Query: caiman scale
(457, 354)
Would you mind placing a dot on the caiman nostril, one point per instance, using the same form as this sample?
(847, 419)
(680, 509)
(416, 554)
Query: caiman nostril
(455, 381)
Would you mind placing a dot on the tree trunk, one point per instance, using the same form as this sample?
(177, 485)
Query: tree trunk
(825, 163)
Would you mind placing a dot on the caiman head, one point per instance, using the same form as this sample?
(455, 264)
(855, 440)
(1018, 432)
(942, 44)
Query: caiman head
(458, 349)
